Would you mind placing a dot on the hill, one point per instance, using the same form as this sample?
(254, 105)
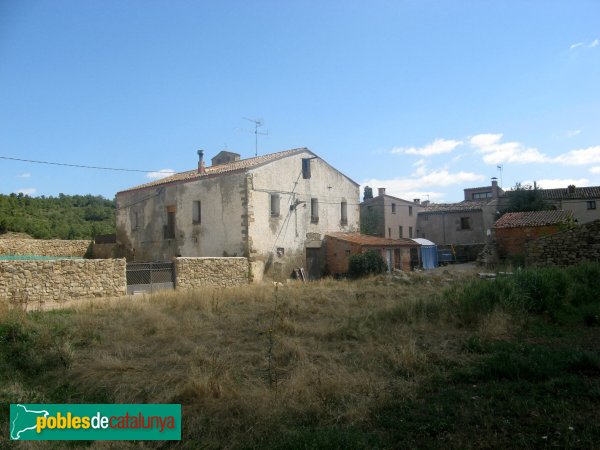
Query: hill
(62, 217)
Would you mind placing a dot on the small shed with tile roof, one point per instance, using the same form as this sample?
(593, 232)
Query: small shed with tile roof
(514, 230)
(399, 254)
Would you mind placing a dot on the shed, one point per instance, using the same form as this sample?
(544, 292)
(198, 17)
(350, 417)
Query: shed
(514, 230)
(399, 254)
(427, 253)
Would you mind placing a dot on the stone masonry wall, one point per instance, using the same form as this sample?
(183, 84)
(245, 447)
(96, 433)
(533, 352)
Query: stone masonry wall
(194, 273)
(57, 281)
(42, 247)
(567, 247)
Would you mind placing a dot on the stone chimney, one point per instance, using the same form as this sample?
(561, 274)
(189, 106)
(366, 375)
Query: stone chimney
(417, 201)
(495, 187)
(381, 192)
(201, 167)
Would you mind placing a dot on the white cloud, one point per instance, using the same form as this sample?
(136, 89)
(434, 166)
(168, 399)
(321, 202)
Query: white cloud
(418, 184)
(24, 175)
(592, 44)
(595, 169)
(27, 191)
(496, 152)
(553, 183)
(579, 157)
(437, 147)
(572, 133)
(162, 173)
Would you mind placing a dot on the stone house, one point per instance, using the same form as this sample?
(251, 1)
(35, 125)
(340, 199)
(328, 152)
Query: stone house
(389, 217)
(514, 230)
(581, 201)
(399, 254)
(274, 209)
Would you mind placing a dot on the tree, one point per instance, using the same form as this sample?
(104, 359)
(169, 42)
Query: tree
(368, 193)
(525, 198)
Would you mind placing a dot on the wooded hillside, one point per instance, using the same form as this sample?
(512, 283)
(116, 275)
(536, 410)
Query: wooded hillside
(62, 217)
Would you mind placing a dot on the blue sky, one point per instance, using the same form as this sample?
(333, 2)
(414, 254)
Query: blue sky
(422, 97)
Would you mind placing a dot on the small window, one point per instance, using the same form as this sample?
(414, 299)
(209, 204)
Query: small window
(424, 217)
(591, 204)
(410, 233)
(314, 210)
(280, 251)
(136, 220)
(275, 203)
(465, 223)
(347, 253)
(389, 233)
(344, 213)
(400, 232)
(305, 168)
(393, 208)
(410, 210)
(170, 226)
(197, 212)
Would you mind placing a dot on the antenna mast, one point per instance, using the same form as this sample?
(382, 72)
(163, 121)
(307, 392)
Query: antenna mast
(257, 124)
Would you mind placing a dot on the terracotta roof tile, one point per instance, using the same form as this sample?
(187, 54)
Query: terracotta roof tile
(563, 193)
(532, 219)
(454, 207)
(365, 239)
(221, 169)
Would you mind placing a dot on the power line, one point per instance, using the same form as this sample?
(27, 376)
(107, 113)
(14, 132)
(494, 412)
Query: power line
(81, 166)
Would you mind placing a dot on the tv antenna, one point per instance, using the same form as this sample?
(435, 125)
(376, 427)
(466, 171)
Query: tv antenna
(257, 124)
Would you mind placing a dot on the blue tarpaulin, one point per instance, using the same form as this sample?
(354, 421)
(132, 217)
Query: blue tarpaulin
(428, 253)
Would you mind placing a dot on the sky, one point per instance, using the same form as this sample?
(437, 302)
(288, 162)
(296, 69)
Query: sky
(422, 97)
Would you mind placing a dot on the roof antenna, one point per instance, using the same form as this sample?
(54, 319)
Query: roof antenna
(257, 124)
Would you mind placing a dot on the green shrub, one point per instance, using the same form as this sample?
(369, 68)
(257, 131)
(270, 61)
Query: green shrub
(368, 263)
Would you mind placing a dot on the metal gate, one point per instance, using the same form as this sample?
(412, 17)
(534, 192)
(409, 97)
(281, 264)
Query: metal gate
(150, 276)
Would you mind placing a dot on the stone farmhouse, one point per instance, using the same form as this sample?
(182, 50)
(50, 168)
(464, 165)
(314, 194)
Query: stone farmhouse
(274, 209)
(389, 217)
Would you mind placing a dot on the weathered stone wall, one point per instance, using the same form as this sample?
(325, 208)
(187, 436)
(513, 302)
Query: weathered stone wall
(194, 273)
(567, 247)
(42, 247)
(61, 280)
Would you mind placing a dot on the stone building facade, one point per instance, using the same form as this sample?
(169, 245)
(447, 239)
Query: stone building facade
(389, 217)
(274, 209)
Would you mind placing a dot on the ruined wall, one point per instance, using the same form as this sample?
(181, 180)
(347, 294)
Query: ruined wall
(40, 247)
(566, 247)
(193, 273)
(61, 280)
(512, 241)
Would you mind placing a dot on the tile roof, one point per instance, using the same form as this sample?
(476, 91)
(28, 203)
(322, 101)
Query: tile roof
(221, 169)
(365, 239)
(532, 219)
(563, 193)
(454, 207)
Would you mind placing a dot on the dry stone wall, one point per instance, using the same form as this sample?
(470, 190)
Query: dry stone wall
(566, 247)
(39, 247)
(194, 273)
(57, 281)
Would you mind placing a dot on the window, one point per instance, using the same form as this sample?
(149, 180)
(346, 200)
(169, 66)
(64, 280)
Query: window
(400, 231)
(344, 213)
(410, 233)
(314, 210)
(347, 253)
(591, 204)
(410, 210)
(306, 168)
(465, 223)
(480, 195)
(275, 203)
(136, 220)
(197, 212)
(280, 251)
(170, 226)
(424, 216)
(389, 233)
(393, 208)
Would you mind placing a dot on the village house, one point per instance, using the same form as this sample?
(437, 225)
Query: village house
(581, 201)
(389, 217)
(275, 209)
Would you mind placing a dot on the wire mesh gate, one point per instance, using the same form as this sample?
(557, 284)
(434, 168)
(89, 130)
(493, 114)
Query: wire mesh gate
(150, 276)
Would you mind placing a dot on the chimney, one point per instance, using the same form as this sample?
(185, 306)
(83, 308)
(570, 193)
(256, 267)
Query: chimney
(417, 201)
(381, 192)
(201, 168)
(571, 189)
(495, 187)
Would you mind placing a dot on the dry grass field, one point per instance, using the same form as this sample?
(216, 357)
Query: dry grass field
(428, 361)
